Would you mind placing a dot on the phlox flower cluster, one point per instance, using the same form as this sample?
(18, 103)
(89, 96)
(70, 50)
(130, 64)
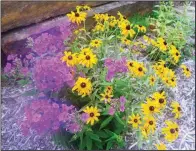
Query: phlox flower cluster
(44, 115)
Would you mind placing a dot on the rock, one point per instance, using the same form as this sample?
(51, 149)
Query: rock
(21, 13)
(15, 41)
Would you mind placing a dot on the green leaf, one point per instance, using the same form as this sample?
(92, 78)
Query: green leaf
(102, 134)
(99, 145)
(88, 143)
(109, 132)
(106, 122)
(31, 92)
(109, 145)
(93, 136)
(112, 138)
(23, 82)
(119, 119)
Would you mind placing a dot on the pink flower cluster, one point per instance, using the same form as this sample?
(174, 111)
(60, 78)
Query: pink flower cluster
(117, 105)
(47, 43)
(115, 66)
(50, 73)
(46, 115)
(18, 64)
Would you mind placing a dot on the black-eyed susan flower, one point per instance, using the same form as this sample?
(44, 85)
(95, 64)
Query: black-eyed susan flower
(150, 122)
(175, 54)
(109, 90)
(96, 43)
(186, 71)
(101, 17)
(69, 58)
(139, 69)
(125, 41)
(150, 107)
(161, 44)
(99, 27)
(135, 120)
(122, 18)
(77, 17)
(126, 29)
(106, 97)
(160, 98)
(93, 113)
(170, 131)
(176, 109)
(141, 28)
(83, 8)
(87, 58)
(152, 80)
(145, 131)
(161, 146)
(83, 86)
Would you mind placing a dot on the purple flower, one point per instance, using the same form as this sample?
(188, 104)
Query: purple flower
(122, 100)
(8, 68)
(115, 66)
(111, 111)
(74, 127)
(84, 117)
(11, 57)
(24, 71)
(122, 107)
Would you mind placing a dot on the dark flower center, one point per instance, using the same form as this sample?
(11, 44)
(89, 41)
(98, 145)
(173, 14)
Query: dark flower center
(165, 65)
(106, 97)
(179, 109)
(77, 14)
(176, 129)
(165, 43)
(87, 57)
(96, 42)
(83, 85)
(70, 57)
(161, 100)
(177, 54)
(140, 25)
(91, 114)
(124, 17)
(151, 108)
(135, 120)
(151, 122)
(152, 79)
(128, 27)
(131, 64)
(172, 130)
(187, 69)
(140, 69)
(172, 79)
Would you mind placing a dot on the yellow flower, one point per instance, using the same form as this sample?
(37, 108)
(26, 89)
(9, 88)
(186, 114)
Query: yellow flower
(101, 17)
(150, 123)
(147, 39)
(186, 71)
(93, 113)
(125, 41)
(141, 28)
(145, 131)
(126, 29)
(175, 54)
(106, 97)
(112, 21)
(99, 27)
(176, 109)
(83, 86)
(152, 80)
(87, 58)
(160, 98)
(150, 107)
(96, 43)
(122, 18)
(77, 17)
(83, 8)
(161, 146)
(137, 69)
(170, 131)
(69, 58)
(109, 90)
(135, 120)
(161, 44)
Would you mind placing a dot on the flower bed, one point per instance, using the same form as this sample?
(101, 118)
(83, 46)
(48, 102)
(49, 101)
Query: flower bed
(113, 92)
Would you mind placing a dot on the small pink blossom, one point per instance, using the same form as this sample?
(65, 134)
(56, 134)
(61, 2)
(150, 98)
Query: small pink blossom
(111, 111)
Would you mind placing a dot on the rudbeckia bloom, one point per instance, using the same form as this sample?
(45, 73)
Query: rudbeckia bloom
(150, 123)
(135, 120)
(152, 80)
(99, 27)
(93, 113)
(160, 98)
(87, 59)
(106, 97)
(126, 29)
(150, 107)
(161, 146)
(186, 71)
(125, 41)
(171, 131)
(141, 28)
(176, 109)
(77, 17)
(69, 58)
(96, 43)
(83, 86)
(175, 54)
